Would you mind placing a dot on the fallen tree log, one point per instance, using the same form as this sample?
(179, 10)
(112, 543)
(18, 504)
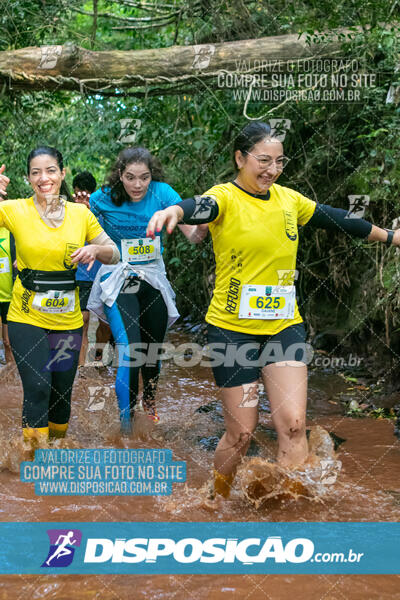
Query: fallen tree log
(70, 67)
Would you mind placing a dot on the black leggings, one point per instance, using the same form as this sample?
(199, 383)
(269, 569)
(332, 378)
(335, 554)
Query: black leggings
(139, 315)
(47, 361)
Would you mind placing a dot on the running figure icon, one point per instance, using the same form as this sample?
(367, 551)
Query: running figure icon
(63, 544)
(62, 549)
(63, 345)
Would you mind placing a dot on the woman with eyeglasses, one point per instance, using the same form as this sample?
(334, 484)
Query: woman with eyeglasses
(254, 325)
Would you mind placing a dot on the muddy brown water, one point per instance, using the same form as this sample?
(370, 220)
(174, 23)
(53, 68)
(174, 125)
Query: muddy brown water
(367, 488)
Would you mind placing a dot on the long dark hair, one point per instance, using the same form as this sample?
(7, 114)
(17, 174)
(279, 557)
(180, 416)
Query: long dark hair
(54, 153)
(251, 134)
(125, 158)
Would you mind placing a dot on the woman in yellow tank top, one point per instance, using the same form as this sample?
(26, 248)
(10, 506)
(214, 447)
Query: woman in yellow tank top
(253, 316)
(44, 318)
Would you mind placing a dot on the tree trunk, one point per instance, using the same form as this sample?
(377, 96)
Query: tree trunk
(69, 67)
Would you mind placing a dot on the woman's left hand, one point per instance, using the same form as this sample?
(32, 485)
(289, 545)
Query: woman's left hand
(85, 255)
(396, 238)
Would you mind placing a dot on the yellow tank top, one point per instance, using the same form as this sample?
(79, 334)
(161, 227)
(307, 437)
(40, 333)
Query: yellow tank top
(44, 248)
(6, 282)
(255, 242)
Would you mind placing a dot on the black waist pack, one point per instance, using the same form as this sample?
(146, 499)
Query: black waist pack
(43, 281)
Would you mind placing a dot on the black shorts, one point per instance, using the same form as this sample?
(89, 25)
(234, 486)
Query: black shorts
(4, 306)
(233, 364)
(85, 287)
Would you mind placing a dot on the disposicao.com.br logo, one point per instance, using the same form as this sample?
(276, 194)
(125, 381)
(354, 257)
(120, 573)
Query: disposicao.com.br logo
(156, 548)
(247, 551)
(204, 548)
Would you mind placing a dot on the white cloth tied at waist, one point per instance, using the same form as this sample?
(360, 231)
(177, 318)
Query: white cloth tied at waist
(106, 291)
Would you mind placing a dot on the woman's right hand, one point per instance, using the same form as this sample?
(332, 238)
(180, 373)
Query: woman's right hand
(169, 217)
(82, 198)
(4, 181)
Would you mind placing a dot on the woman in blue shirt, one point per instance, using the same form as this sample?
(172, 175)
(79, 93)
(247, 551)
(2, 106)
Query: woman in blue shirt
(136, 296)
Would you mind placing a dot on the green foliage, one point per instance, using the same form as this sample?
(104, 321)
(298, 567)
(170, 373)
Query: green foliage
(336, 149)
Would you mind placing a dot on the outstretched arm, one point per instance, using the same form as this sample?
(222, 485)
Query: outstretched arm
(336, 219)
(384, 235)
(194, 233)
(192, 211)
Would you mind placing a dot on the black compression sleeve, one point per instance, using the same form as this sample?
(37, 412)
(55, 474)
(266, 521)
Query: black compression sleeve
(198, 210)
(335, 219)
(13, 256)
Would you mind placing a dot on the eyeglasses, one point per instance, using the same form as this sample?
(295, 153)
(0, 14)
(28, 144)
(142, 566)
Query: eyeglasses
(267, 161)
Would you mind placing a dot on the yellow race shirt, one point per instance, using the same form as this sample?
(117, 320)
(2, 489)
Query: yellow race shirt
(6, 282)
(255, 242)
(45, 248)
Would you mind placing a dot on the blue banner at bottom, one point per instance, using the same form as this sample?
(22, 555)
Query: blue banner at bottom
(200, 548)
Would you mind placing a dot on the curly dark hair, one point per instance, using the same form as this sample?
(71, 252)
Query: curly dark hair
(125, 158)
(84, 181)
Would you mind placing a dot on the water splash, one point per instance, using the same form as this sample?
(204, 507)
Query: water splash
(261, 480)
